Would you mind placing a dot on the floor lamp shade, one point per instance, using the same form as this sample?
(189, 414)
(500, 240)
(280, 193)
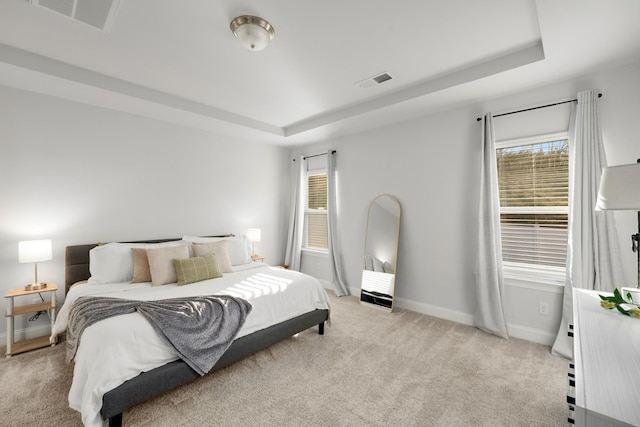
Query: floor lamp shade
(620, 191)
(619, 188)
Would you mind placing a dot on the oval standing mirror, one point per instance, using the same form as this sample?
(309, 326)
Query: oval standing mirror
(381, 252)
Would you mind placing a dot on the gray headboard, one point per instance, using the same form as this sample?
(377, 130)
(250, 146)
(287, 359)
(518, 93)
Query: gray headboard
(76, 260)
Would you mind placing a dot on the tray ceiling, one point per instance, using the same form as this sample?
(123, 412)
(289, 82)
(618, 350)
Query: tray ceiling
(179, 61)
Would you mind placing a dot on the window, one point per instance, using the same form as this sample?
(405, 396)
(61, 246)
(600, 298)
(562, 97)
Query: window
(533, 181)
(315, 216)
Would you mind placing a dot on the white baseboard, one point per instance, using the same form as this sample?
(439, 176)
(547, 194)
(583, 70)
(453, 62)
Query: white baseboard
(530, 334)
(328, 284)
(354, 291)
(434, 310)
(516, 331)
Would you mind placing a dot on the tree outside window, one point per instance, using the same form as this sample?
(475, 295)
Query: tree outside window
(315, 224)
(533, 180)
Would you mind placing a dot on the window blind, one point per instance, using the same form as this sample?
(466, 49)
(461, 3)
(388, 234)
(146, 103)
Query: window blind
(533, 181)
(315, 225)
(317, 192)
(316, 231)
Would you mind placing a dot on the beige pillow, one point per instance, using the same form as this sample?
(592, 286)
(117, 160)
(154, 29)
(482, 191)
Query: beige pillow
(219, 249)
(161, 263)
(191, 270)
(141, 272)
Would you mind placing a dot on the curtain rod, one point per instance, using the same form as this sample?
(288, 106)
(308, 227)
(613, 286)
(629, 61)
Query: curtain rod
(316, 155)
(535, 108)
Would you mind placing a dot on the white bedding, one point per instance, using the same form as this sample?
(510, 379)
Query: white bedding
(119, 348)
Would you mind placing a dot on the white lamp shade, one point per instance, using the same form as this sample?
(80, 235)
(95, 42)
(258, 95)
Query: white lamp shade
(253, 234)
(253, 36)
(619, 188)
(34, 251)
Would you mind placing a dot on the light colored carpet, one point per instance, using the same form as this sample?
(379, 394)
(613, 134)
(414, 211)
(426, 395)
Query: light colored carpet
(371, 368)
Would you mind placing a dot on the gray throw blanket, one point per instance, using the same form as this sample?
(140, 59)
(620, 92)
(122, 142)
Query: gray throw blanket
(200, 328)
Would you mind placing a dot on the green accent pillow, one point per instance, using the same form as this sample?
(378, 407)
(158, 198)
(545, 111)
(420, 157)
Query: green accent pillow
(191, 270)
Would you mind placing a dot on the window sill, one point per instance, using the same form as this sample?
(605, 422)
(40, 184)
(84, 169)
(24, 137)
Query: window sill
(527, 279)
(315, 252)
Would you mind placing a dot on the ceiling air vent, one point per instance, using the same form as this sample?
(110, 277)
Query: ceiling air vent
(375, 80)
(99, 14)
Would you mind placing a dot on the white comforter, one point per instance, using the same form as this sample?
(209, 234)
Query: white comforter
(119, 348)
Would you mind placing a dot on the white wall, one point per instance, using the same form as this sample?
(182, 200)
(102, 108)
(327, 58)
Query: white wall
(411, 161)
(432, 166)
(80, 174)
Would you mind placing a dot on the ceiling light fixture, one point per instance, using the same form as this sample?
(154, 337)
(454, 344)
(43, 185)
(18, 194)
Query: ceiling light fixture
(254, 33)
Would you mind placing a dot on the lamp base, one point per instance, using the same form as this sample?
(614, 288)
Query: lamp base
(35, 286)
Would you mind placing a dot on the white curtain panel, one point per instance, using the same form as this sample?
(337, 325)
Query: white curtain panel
(490, 297)
(593, 258)
(296, 216)
(335, 254)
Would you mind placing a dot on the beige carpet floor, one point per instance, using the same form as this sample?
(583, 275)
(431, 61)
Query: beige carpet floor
(371, 368)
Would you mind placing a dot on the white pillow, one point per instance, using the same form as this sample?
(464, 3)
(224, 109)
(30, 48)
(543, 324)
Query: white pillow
(204, 239)
(377, 265)
(237, 247)
(368, 263)
(111, 263)
(239, 251)
(197, 239)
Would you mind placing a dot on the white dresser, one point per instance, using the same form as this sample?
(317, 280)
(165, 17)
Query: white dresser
(606, 366)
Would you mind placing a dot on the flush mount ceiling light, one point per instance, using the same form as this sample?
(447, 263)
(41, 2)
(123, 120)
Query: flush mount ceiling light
(254, 33)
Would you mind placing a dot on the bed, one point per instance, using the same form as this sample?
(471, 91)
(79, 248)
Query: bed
(121, 361)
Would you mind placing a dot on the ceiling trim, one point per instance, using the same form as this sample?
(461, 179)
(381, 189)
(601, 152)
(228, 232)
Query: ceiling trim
(523, 56)
(38, 63)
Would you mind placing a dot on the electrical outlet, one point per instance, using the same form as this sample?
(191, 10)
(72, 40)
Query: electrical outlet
(543, 308)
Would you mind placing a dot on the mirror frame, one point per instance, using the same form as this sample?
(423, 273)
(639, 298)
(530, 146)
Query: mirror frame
(395, 253)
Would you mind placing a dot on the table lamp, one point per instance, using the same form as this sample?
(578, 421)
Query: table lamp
(620, 190)
(253, 236)
(35, 251)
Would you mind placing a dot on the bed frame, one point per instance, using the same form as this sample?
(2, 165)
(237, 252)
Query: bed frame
(174, 374)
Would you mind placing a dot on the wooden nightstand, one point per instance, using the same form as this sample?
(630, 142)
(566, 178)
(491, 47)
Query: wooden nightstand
(13, 311)
(257, 258)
